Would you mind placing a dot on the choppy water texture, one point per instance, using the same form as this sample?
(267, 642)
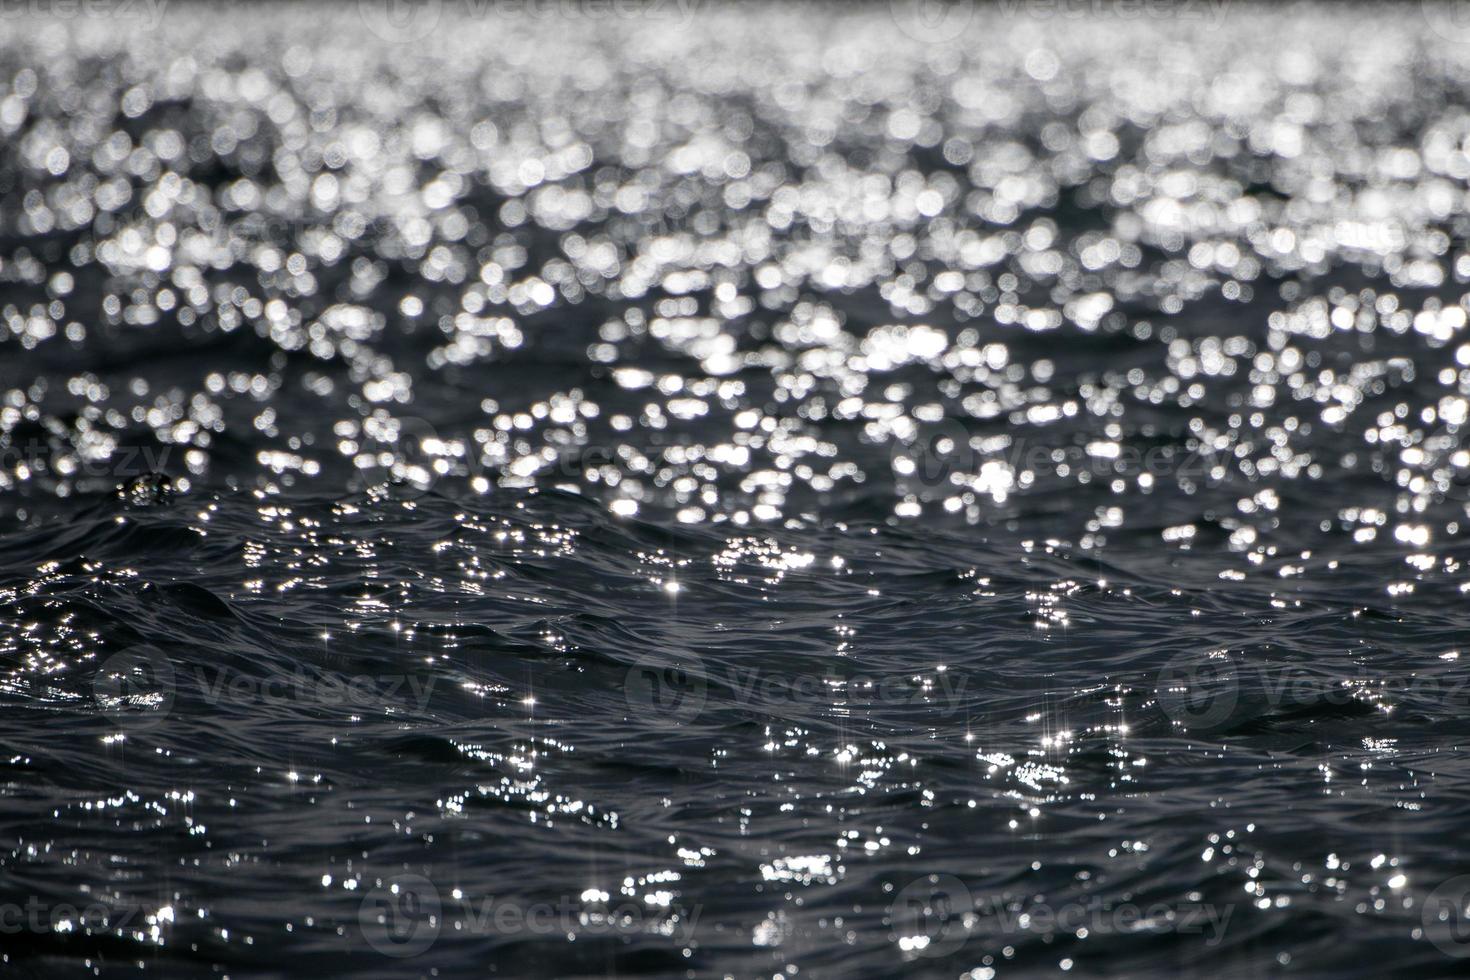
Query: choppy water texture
(752, 494)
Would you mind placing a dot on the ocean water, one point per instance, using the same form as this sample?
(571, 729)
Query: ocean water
(670, 490)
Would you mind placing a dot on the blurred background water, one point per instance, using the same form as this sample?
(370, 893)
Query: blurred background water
(661, 489)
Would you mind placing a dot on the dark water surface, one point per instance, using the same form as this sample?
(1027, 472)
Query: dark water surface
(734, 493)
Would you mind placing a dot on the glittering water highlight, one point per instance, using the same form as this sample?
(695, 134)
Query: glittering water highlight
(733, 492)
